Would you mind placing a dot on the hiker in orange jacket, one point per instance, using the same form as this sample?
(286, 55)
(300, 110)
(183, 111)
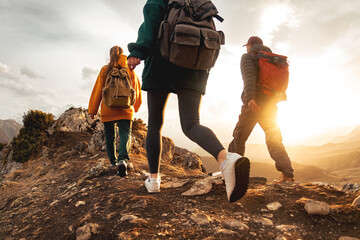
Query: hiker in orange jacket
(123, 118)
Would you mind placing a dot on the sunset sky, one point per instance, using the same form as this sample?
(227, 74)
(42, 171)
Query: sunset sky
(52, 51)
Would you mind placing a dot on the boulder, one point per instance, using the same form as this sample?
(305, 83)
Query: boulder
(274, 206)
(203, 186)
(75, 120)
(84, 232)
(187, 159)
(313, 207)
(201, 219)
(236, 224)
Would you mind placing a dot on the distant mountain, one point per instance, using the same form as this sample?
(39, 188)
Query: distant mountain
(342, 153)
(303, 173)
(8, 130)
(353, 135)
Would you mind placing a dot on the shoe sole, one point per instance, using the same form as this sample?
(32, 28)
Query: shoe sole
(242, 171)
(122, 170)
(152, 191)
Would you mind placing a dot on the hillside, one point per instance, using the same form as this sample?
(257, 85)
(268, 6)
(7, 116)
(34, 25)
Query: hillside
(68, 191)
(336, 161)
(340, 154)
(8, 130)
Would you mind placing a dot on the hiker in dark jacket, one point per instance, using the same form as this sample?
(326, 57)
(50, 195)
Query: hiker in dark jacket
(160, 78)
(259, 108)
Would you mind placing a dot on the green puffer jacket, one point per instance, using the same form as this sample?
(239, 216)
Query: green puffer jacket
(250, 70)
(159, 74)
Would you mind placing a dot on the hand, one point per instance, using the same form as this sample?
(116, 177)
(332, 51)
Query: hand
(133, 62)
(92, 116)
(253, 106)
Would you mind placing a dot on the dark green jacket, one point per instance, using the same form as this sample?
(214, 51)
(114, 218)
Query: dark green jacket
(159, 73)
(250, 73)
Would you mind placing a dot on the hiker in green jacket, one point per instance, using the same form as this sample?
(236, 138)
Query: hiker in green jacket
(160, 78)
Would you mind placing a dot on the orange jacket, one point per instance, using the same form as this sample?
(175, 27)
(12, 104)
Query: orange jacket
(113, 114)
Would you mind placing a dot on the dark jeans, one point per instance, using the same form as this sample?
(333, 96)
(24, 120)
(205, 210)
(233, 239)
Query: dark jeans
(124, 127)
(267, 121)
(189, 107)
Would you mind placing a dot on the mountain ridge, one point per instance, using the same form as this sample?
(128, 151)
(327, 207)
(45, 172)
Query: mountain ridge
(68, 191)
(8, 130)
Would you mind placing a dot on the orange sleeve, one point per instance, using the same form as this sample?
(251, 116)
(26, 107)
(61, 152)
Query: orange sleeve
(137, 86)
(96, 94)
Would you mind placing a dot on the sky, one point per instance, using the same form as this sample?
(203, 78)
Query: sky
(52, 51)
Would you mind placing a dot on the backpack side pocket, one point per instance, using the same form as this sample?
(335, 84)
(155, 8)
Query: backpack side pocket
(185, 45)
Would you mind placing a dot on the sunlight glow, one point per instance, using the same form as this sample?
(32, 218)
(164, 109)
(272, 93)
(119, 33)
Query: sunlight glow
(273, 17)
(313, 105)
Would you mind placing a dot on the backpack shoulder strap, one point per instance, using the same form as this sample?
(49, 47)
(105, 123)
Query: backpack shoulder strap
(173, 4)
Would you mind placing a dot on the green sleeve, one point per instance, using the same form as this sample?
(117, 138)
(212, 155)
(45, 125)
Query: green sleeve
(154, 12)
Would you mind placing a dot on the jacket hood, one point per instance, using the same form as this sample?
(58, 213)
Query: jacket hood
(259, 47)
(122, 61)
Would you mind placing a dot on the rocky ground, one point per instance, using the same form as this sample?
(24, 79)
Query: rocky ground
(68, 191)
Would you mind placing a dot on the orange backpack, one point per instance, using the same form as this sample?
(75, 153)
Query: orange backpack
(273, 73)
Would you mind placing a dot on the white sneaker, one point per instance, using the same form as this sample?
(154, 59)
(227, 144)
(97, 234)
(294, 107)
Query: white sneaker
(236, 171)
(152, 185)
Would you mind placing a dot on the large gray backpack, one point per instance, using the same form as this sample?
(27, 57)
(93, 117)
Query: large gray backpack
(188, 36)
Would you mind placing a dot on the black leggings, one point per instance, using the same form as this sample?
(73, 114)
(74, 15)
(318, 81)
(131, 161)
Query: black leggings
(189, 107)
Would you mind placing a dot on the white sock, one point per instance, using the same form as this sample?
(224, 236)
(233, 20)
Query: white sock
(156, 179)
(222, 165)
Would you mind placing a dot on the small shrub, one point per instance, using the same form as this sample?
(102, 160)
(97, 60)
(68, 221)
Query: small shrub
(2, 145)
(31, 136)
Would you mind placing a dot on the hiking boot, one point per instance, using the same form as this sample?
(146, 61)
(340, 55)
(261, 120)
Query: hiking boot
(152, 185)
(236, 171)
(122, 168)
(285, 179)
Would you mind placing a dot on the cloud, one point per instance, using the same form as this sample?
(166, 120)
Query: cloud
(35, 20)
(274, 19)
(30, 73)
(10, 80)
(89, 76)
(24, 89)
(5, 72)
(89, 73)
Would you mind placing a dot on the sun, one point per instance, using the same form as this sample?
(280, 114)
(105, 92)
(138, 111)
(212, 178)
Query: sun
(315, 97)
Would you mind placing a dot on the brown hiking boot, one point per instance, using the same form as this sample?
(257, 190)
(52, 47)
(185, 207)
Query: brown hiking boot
(285, 179)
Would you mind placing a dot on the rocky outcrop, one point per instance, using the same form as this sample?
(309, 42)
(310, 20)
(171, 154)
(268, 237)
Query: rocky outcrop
(78, 120)
(7, 165)
(187, 159)
(75, 120)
